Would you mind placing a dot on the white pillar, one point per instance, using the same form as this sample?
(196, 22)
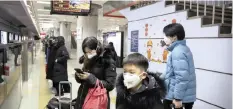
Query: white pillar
(88, 26)
(125, 30)
(56, 31)
(66, 33)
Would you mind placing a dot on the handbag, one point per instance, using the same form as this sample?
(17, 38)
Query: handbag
(96, 97)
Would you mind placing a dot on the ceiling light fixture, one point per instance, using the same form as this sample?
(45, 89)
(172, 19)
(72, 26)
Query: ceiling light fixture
(47, 18)
(44, 15)
(43, 2)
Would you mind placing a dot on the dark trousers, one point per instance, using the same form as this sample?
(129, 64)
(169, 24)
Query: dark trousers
(167, 104)
(16, 58)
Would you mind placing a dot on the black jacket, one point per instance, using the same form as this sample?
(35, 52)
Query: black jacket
(51, 60)
(113, 53)
(60, 67)
(149, 96)
(102, 68)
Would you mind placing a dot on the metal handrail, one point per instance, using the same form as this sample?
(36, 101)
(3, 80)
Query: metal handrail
(213, 14)
(190, 4)
(184, 5)
(205, 8)
(213, 3)
(197, 8)
(223, 12)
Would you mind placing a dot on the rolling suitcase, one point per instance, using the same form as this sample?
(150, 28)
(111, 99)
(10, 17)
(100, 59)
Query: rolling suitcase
(61, 102)
(64, 102)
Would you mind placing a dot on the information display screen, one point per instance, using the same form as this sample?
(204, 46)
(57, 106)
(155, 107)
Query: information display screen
(3, 37)
(16, 37)
(71, 7)
(10, 37)
(20, 38)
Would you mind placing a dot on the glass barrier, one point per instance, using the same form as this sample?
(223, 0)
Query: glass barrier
(9, 73)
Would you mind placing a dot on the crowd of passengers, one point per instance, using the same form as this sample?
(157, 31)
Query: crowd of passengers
(136, 87)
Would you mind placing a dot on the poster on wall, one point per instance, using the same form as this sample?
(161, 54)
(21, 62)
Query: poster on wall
(79, 33)
(154, 49)
(134, 41)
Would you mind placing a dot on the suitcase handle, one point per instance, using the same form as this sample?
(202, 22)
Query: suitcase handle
(70, 84)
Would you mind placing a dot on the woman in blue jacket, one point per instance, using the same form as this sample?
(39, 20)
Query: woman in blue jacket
(180, 77)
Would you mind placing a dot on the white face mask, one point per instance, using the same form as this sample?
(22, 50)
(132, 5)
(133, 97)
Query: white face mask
(131, 80)
(167, 40)
(89, 56)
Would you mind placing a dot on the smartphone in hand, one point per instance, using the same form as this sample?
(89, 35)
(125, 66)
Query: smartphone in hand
(78, 70)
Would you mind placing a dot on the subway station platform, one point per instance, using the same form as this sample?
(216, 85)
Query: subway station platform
(36, 92)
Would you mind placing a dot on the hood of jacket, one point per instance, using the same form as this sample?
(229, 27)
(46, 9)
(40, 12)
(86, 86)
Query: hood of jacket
(60, 41)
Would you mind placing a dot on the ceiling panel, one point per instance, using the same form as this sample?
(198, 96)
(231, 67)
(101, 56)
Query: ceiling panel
(103, 22)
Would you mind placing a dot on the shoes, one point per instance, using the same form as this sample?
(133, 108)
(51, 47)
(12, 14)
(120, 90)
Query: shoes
(53, 90)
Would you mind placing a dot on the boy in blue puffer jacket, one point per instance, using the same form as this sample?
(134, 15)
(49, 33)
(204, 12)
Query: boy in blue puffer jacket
(180, 77)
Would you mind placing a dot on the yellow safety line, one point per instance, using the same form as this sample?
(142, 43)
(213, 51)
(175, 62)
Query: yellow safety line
(113, 99)
(44, 91)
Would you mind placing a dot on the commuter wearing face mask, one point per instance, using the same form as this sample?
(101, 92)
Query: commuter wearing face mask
(51, 50)
(60, 66)
(136, 87)
(98, 64)
(180, 75)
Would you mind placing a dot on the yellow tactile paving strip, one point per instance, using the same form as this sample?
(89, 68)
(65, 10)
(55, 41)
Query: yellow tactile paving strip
(44, 92)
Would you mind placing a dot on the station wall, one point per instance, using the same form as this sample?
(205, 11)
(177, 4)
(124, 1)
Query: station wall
(212, 55)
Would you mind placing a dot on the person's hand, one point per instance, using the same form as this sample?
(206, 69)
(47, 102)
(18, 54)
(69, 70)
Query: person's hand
(83, 76)
(178, 104)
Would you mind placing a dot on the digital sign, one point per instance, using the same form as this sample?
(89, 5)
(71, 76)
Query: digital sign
(3, 37)
(71, 7)
(16, 37)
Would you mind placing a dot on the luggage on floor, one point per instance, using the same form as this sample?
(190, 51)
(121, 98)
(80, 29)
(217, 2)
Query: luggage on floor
(62, 102)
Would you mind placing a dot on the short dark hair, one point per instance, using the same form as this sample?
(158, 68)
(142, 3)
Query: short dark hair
(174, 29)
(138, 60)
(110, 43)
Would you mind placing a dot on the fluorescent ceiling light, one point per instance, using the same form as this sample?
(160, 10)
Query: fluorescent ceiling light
(43, 10)
(43, 2)
(44, 15)
(46, 18)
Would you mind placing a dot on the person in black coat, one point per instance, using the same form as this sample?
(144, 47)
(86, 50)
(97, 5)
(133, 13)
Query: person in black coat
(136, 87)
(98, 64)
(60, 66)
(50, 57)
(114, 54)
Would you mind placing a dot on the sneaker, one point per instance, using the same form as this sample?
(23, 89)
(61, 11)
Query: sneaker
(53, 90)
